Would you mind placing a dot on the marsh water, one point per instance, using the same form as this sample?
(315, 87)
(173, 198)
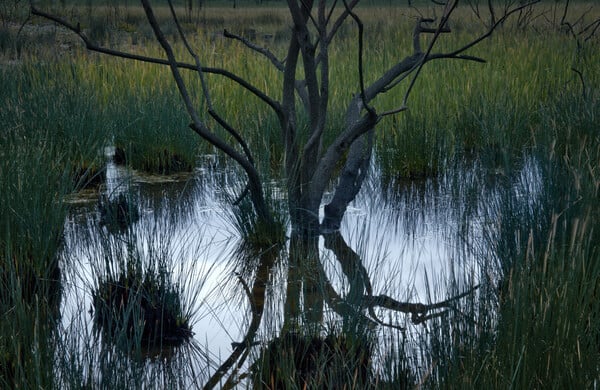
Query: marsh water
(419, 240)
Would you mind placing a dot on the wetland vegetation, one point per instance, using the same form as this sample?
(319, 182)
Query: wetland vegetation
(134, 254)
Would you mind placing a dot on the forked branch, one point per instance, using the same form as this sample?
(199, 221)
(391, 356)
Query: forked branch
(356, 273)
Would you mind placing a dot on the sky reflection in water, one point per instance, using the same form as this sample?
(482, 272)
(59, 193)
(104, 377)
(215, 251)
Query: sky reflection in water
(409, 236)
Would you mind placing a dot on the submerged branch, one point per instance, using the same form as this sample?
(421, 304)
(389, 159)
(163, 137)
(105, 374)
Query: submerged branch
(361, 292)
(420, 312)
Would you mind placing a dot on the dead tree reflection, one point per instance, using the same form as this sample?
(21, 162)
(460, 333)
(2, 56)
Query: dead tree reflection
(309, 292)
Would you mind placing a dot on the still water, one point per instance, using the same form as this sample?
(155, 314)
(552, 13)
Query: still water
(415, 239)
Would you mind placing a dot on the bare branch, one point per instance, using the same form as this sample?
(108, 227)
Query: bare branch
(360, 59)
(507, 13)
(259, 49)
(330, 13)
(121, 54)
(193, 54)
(393, 112)
(420, 29)
(450, 6)
(211, 110)
(492, 13)
(594, 26)
(233, 132)
(340, 20)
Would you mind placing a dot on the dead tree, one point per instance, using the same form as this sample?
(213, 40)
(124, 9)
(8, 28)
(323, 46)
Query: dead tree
(309, 163)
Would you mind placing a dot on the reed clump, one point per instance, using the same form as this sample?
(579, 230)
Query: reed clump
(32, 213)
(140, 305)
(294, 360)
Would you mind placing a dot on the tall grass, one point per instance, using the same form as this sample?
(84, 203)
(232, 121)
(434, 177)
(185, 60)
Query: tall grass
(456, 107)
(535, 320)
(48, 140)
(156, 268)
(32, 213)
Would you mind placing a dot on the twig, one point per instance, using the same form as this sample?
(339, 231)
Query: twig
(259, 49)
(211, 109)
(370, 109)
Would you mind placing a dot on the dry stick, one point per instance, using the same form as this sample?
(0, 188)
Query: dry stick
(416, 52)
(456, 54)
(193, 54)
(331, 12)
(565, 10)
(361, 78)
(447, 11)
(259, 49)
(507, 13)
(340, 20)
(595, 25)
(418, 30)
(492, 12)
(299, 86)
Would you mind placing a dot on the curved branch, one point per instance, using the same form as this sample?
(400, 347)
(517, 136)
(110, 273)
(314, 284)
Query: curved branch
(420, 312)
(490, 31)
(354, 270)
(340, 20)
(159, 61)
(450, 7)
(361, 77)
(241, 349)
(352, 267)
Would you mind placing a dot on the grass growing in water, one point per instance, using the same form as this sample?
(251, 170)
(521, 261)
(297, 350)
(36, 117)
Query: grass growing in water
(536, 322)
(546, 269)
(32, 214)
